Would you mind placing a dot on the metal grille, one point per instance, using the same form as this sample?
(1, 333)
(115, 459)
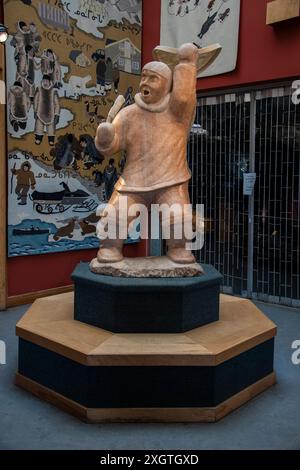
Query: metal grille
(253, 241)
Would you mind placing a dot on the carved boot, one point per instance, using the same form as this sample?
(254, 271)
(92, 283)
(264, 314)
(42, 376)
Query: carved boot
(180, 255)
(110, 251)
(177, 251)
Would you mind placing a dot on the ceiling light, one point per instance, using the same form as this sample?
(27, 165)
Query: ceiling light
(3, 33)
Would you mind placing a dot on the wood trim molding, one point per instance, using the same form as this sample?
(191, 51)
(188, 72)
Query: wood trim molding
(163, 415)
(282, 10)
(30, 297)
(3, 190)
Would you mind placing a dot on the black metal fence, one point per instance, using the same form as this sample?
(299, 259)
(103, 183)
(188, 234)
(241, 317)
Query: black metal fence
(252, 240)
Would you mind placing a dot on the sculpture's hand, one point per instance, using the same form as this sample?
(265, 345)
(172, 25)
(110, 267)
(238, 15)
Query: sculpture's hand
(105, 135)
(188, 53)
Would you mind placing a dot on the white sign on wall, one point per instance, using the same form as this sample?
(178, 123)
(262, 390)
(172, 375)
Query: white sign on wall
(203, 22)
(249, 183)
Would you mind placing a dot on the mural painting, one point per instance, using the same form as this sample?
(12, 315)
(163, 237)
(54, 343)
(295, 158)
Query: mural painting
(67, 61)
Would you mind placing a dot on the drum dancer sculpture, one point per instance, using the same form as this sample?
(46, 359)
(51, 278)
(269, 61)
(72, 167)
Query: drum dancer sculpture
(154, 133)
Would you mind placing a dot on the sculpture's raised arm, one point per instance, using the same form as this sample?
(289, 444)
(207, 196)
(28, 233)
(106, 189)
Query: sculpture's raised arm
(184, 79)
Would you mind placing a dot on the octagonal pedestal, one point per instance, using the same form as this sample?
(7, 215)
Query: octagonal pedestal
(99, 376)
(146, 305)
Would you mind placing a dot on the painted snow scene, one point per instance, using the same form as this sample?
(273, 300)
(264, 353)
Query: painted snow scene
(203, 22)
(67, 62)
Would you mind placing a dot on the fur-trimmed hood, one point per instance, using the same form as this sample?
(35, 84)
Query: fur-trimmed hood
(159, 107)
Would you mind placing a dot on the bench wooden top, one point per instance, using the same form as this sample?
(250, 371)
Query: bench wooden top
(49, 323)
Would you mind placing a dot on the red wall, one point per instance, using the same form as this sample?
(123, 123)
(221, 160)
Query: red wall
(41, 272)
(265, 52)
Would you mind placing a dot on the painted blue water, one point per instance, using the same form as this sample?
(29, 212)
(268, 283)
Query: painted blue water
(22, 245)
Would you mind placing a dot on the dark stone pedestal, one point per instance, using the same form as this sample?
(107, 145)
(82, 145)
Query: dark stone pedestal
(146, 305)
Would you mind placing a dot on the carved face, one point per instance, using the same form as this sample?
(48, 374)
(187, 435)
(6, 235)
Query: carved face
(153, 87)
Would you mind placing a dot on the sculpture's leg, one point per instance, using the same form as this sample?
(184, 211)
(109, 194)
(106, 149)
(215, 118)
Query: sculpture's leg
(173, 226)
(111, 248)
(177, 251)
(110, 251)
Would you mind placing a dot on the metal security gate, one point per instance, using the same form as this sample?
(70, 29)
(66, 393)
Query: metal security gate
(252, 240)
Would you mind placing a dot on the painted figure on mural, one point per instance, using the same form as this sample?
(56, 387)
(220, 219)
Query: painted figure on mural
(25, 181)
(34, 37)
(154, 133)
(18, 105)
(50, 66)
(21, 38)
(65, 151)
(98, 178)
(116, 76)
(99, 58)
(110, 177)
(108, 74)
(46, 110)
(129, 99)
(89, 153)
(31, 66)
(21, 64)
(26, 39)
(19, 41)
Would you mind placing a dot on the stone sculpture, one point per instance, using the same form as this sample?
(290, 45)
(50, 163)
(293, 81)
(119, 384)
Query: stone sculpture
(154, 132)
